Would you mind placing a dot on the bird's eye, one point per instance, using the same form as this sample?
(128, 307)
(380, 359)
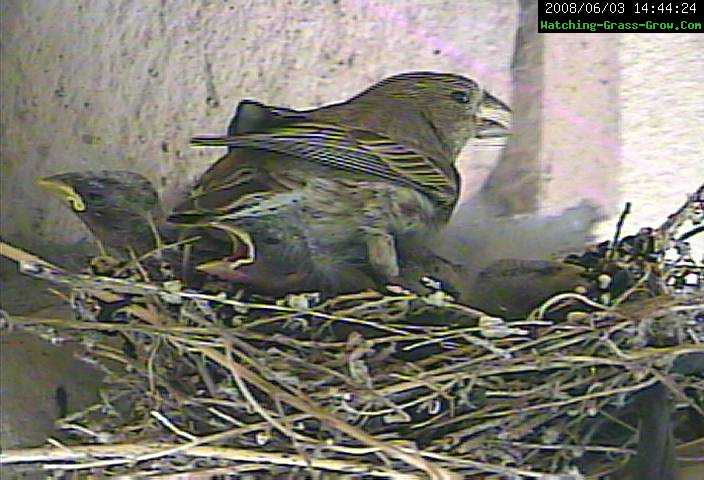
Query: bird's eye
(460, 96)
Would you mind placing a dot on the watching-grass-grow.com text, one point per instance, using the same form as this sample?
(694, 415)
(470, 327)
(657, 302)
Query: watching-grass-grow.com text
(607, 26)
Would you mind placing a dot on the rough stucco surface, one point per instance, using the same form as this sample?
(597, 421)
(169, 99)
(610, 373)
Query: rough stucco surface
(123, 84)
(662, 123)
(579, 120)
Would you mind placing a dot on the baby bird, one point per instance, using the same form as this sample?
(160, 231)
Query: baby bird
(120, 208)
(289, 256)
(306, 231)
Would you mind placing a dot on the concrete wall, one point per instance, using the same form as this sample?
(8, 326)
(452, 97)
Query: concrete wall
(123, 84)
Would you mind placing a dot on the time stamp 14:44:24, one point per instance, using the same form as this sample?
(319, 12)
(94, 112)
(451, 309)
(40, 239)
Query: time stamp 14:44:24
(637, 8)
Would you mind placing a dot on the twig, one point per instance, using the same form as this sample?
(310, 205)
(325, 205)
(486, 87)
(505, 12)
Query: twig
(617, 234)
(125, 454)
(304, 404)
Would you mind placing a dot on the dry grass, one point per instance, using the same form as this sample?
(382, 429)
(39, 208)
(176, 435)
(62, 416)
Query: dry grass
(372, 385)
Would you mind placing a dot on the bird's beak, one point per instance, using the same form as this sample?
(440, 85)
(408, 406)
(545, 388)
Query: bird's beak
(494, 118)
(64, 191)
(223, 269)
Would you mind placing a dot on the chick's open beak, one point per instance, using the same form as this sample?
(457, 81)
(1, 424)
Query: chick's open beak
(494, 118)
(63, 191)
(256, 275)
(223, 269)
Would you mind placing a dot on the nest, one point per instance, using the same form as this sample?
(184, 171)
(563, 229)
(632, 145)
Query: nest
(382, 385)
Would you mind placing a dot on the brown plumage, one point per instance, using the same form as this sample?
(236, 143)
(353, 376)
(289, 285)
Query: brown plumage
(400, 136)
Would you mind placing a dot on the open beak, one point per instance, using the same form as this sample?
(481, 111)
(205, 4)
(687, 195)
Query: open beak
(64, 191)
(224, 269)
(256, 276)
(494, 118)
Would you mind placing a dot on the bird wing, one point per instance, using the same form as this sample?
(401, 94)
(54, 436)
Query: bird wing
(353, 150)
(252, 116)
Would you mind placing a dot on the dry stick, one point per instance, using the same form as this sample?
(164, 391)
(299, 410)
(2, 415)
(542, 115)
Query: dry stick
(99, 290)
(560, 403)
(137, 260)
(230, 433)
(517, 368)
(198, 474)
(305, 404)
(539, 313)
(621, 219)
(216, 437)
(122, 454)
(22, 257)
(100, 286)
(692, 443)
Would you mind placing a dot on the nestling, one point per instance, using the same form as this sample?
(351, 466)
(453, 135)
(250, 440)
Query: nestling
(120, 208)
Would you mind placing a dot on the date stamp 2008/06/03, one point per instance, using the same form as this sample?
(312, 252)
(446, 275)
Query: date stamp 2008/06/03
(620, 16)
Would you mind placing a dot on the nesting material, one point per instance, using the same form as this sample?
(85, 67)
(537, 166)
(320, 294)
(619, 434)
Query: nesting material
(382, 385)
